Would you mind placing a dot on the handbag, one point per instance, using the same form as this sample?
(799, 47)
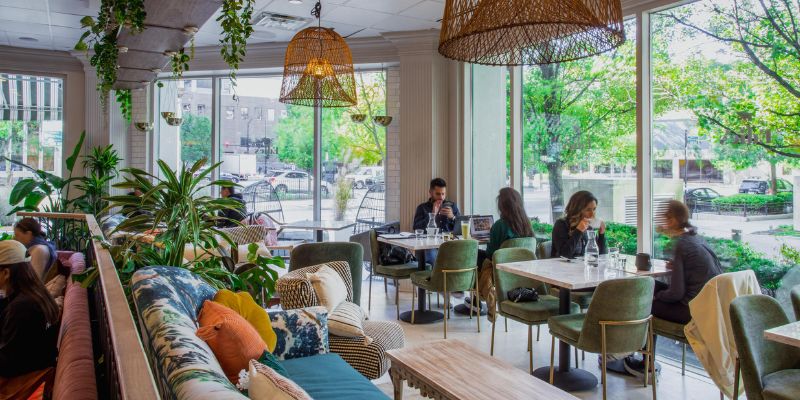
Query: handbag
(522, 294)
(393, 255)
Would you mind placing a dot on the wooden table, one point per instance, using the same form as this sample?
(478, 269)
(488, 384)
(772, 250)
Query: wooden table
(787, 334)
(568, 276)
(451, 369)
(319, 226)
(418, 246)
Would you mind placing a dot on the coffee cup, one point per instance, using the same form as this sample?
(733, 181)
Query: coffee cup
(643, 262)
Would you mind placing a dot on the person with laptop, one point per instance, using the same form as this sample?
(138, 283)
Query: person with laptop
(569, 232)
(444, 211)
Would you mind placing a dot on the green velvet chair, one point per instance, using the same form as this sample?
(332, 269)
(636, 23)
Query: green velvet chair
(544, 249)
(528, 243)
(528, 313)
(674, 331)
(309, 254)
(395, 272)
(770, 370)
(454, 271)
(795, 295)
(611, 325)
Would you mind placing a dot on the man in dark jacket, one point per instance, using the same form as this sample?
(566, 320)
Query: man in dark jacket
(237, 214)
(444, 211)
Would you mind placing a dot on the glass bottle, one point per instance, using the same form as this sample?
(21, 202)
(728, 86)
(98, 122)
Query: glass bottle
(431, 229)
(592, 251)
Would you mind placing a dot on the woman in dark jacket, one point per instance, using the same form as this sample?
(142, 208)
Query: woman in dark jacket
(28, 318)
(693, 264)
(569, 232)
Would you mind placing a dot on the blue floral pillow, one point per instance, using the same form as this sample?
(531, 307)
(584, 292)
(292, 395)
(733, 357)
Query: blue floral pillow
(301, 332)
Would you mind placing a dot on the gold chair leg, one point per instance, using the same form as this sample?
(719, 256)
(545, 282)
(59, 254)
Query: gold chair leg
(538, 331)
(683, 358)
(478, 297)
(413, 298)
(530, 349)
(506, 321)
(603, 355)
(397, 297)
(491, 349)
(552, 356)
(446, 311)
(653, 358)
(369, 298)
(470, 306)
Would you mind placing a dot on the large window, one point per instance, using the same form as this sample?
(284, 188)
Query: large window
(31, 128)
(579, 133)
(191, 140)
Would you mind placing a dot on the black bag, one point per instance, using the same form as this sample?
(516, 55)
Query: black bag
(393, 255)
(522, 294)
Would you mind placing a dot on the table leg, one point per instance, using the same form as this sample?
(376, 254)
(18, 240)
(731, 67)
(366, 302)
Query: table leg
(565, 377)
(319, 235)
(397, 383)
(422, 315)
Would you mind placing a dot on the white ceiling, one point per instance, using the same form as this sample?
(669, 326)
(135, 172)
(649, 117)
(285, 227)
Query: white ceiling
(55, 24)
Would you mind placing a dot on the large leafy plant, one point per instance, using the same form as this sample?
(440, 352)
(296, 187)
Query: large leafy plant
(101, 167)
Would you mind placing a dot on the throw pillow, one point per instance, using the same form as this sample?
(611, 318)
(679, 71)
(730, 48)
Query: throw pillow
(272, 361)
(303, 332)
(329, 287)
(232, 339)
(348, 320)
(244, 305)
(266, 384)
(56, 286)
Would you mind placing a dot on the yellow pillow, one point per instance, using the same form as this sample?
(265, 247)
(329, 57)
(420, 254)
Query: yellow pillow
(245, 306)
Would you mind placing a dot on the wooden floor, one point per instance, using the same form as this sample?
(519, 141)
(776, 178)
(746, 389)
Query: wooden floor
(511, 347)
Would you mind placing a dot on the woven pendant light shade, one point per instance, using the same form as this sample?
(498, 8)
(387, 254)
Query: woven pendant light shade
(318, 70)
(527, 32)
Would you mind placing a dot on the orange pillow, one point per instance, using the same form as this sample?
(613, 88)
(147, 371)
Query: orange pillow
(232, 339)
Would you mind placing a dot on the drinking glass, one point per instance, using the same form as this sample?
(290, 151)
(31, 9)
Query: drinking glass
(613, 255)
(419, 233)
(465, 230)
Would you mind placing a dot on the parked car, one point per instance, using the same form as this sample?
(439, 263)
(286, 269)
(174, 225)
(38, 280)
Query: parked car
(295, 182)
(228, 176)
(699, 199)
(762, 186)
(364, 174)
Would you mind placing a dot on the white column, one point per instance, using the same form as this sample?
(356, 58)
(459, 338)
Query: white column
(392, 162)
(644, 125)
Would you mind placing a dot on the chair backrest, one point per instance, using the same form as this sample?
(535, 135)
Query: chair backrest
(308, 254)
(374, 248)
(795, 295)
(261, 197)
(247, 234)
(545, 249)
(504, 281)
(627, 299)
(521, 242)
(751, 315)
(372, 210)
(456, 255)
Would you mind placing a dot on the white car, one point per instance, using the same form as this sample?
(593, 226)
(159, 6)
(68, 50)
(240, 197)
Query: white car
(294, 182)
(365, 176)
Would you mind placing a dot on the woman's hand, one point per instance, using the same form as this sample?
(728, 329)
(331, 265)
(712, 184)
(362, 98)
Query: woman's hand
(602, 227)
(583, 225)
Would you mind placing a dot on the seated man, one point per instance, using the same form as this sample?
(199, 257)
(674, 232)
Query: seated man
(232, 215)
(444, 211)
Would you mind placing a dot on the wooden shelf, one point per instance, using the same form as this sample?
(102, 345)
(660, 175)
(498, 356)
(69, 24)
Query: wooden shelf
(165, 22)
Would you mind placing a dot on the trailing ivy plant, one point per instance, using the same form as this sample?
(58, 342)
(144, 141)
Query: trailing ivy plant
(101, 36)
(180, 63)
(235, 20)
(124, 99)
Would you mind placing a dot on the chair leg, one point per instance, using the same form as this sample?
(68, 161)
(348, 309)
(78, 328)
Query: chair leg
(736, 380)
(653, 358)
(413, 300)
(446, 312)
(369, 297)
(683, 358)
(530, 349)
(470, 306)
(583, 355)
(397, 297)
(429, 300)
(385, 286)
(491, 349)
(538, 331)
(576, 356)
(506, 321)
(478, 297)
(552, 356)
(603, 355)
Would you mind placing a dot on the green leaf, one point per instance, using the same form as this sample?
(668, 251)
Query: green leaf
(21, 189)
(87, 278)
(87, 22)
(75, 152)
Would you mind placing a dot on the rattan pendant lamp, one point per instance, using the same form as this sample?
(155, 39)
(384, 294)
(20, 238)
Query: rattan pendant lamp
(318, 70)
(529, 32)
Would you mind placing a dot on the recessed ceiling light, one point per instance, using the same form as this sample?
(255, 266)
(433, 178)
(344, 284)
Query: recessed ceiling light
(28, 39)
(295, 1)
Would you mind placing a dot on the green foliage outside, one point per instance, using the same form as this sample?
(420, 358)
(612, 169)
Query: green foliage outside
(734, 256)
(752, 200)
(195, 138)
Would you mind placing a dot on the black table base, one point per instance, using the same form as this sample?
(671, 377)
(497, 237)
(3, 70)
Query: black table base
(422, 317)
(572, 380)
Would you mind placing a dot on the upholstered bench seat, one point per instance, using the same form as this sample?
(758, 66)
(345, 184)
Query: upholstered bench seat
(328, 376)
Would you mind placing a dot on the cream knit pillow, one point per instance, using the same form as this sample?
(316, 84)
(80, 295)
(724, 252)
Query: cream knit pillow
(329, 287)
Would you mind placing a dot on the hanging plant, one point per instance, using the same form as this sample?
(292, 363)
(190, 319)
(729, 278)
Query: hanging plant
(124, 99)
(101, 36)
(236, 29)
(180, 63)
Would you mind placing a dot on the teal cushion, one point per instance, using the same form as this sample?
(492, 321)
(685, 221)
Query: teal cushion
(272, 361)
(327, 376)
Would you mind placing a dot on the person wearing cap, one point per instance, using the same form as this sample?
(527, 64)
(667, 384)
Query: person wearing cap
(29, 320)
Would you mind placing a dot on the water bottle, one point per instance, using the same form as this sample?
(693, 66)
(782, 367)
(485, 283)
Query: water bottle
(592, 252)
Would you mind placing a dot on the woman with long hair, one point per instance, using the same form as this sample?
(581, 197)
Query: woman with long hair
(28, 319)
(513, 223)
(29, 232)
(569, 232)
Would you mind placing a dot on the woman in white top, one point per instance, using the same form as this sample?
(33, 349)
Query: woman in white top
(29, 232)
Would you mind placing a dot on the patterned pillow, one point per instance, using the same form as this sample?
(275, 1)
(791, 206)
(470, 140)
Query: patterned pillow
(301, 332)
(347, 320)
(266, 384)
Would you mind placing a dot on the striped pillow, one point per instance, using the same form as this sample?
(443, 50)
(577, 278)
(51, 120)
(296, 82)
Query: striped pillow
(266, 384)
(347, 320)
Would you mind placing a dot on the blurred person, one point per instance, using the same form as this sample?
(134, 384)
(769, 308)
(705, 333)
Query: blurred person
(42, 252)
(232, 214)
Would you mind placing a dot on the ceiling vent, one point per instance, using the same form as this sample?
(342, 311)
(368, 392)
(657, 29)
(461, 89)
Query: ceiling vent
(284, 22)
